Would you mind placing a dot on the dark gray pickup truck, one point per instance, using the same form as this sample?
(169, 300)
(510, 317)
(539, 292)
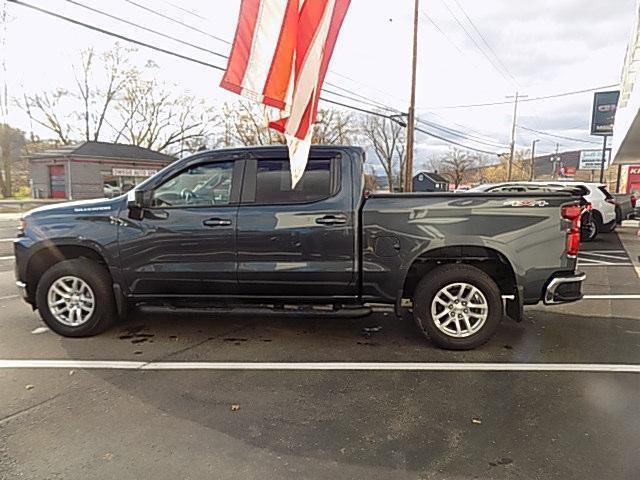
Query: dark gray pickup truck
(223, 231)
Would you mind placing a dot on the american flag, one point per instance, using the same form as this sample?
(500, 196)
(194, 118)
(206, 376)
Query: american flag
(279, 58)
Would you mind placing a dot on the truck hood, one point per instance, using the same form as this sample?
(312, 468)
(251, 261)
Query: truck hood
(98, 205)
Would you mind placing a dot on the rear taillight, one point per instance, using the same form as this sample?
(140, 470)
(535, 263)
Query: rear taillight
(573, 214)
(633, 201)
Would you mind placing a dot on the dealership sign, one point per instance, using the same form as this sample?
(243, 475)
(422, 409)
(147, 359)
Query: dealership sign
(132, 172)
(592, 159)
(604, 112)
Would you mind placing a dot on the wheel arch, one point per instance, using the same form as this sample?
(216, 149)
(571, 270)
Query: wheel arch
(52, 253)
(489, 260)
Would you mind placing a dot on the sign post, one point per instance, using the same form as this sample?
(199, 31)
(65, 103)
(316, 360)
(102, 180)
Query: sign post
(602, 120)
(604, 157)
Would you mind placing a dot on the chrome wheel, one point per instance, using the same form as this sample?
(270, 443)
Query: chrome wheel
(459, 310)
(71, 301)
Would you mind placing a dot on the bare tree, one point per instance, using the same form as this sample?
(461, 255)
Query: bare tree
(245, 123)
(498, 172)
(335, 127)
(455, 165)
(97, 87)
(152, 116)
(12, 141)
(387, 139)
(113, 101)
(46, 109)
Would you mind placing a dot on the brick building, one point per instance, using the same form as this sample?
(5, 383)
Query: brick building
(92, 170)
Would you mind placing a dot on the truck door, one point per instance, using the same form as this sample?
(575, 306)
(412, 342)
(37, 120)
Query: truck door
(186, 244)
(297, 242)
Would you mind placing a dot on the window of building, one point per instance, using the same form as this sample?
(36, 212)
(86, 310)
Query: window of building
(273, 182)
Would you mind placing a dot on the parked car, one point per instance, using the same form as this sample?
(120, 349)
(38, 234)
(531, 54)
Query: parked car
(625, 206)
(110, 191)
(603, 208)
(223, 231)
(587, 226)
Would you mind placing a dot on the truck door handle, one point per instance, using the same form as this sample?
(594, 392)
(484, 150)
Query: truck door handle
(217, 222)
(332, 220)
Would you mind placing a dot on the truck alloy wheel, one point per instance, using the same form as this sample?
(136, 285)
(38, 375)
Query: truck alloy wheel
(71, 301)
(459, 310)
(457, 306)
(75, 298)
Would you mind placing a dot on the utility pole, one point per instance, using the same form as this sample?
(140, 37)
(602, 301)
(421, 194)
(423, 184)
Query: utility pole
(533, 160)
(554, 162)
(411, 124)
(513, 133)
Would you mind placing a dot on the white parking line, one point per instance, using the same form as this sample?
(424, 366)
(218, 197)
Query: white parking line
(611, 297)
(603, 251)
(7, 239)
(8, 257)
(9, 297)
(326, 366)
(599, 263)
(617, 256)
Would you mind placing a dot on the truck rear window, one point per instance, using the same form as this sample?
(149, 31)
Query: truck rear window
(273, 182)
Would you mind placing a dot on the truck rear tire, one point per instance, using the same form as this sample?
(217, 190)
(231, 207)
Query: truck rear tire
(75, 299)
(459, 307)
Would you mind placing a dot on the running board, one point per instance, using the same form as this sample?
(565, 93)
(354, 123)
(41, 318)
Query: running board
(296, 311)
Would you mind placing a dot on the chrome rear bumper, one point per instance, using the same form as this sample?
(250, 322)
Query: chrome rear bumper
(564, 289)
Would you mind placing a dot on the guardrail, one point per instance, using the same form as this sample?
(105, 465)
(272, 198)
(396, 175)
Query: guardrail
(11, 205)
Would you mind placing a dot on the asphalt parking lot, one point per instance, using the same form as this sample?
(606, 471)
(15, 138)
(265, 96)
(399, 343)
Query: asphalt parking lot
(257, 405)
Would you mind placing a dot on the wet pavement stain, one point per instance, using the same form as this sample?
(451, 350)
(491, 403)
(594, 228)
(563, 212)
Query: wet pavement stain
(137, 334)
(502, 461)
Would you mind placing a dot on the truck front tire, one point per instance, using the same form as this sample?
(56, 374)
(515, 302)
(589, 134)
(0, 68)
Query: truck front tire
(75, 299)
(459, 307)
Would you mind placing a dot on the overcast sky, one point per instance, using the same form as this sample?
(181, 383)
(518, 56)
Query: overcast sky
(542, 47)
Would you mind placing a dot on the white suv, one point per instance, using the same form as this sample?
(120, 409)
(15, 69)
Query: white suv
(604, 205)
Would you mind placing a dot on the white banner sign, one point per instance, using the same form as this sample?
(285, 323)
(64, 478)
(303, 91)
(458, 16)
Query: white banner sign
(592, 159)
(132, 172)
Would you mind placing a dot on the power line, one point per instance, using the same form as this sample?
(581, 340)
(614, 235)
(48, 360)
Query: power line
(185, 10)
(475, 42)
(433, 22)
(217, 67)
(461, 134)
(191, 27)
(431, 134)
(370, 103)
(465, 127)
(116, 35)
(167, 17)
(557, 136)
(532, 99)
(484, 40)
(364, 100)
(142, 27)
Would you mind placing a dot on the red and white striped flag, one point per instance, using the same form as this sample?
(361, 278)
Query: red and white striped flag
(279, 58)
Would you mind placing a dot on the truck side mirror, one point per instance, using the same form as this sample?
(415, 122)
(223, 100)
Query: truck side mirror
(137, 201)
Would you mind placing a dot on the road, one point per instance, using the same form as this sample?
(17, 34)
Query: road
(291, 421)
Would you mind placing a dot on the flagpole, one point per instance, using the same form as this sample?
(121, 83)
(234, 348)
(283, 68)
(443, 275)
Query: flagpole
(411, 124)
